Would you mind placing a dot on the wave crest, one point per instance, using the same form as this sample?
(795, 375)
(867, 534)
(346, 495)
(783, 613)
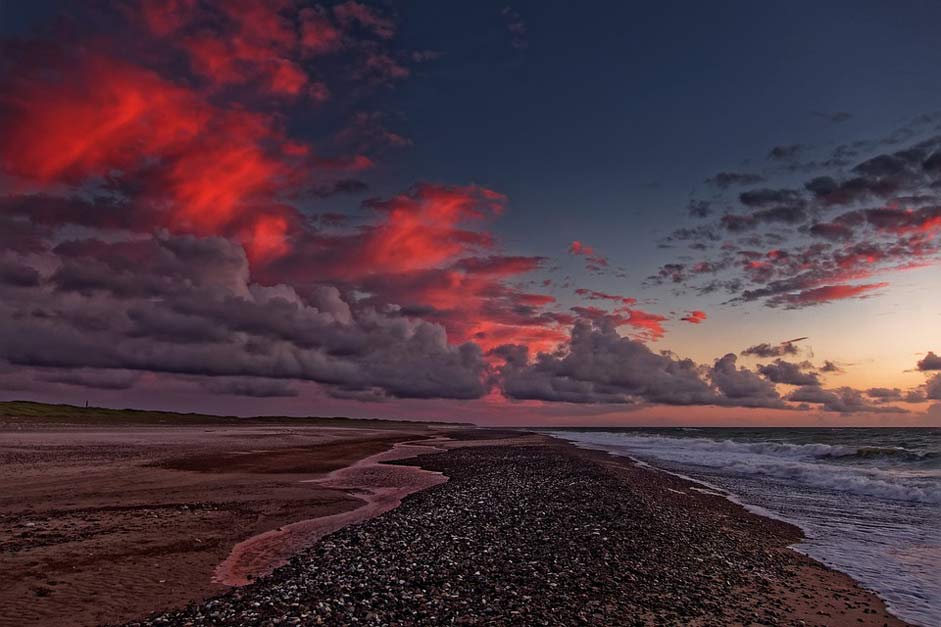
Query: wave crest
(799, 463)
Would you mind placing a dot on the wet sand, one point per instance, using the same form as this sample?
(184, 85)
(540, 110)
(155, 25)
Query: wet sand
(101, 525)
(379, 486)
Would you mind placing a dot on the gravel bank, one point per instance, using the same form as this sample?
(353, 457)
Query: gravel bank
(548, 535)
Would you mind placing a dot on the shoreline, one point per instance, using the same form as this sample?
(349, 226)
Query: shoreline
(802, 545)
(703, 488)
(773, 583)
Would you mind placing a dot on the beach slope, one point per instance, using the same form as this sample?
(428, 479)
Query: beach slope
(529, 530)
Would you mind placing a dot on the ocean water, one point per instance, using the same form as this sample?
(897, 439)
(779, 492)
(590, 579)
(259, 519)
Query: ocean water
(868, 500)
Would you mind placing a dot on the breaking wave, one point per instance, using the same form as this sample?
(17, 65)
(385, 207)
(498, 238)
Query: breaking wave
(867, 499)
(808, 464)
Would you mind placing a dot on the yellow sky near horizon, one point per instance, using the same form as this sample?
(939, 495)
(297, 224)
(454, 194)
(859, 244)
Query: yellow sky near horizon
(876, 341)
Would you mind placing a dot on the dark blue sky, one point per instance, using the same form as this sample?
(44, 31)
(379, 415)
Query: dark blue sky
(619, 111)
(613, 114)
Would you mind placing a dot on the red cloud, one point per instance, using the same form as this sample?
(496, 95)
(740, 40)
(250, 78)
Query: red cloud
(595, 295)
(182, 153)
(100, 114)
(577, 248)
(905, 221)
(424, 228)
(593, 261)
(233, 42)
(191, 166)
(427, 251)
(497, 265)
(694, 317)
(829, 293)
(206, 153)
(649, 325)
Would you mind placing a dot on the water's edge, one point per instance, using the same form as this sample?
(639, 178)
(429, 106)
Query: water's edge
(757, 510)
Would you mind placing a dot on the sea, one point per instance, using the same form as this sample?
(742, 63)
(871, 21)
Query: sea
(867, 499)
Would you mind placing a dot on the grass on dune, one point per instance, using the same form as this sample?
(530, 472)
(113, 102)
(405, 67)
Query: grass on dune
(45, 413)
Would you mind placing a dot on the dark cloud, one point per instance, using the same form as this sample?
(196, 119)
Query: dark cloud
(831, 231)
(842, 400)
(824, 257)
(725, 180)
(884, 395)
(930, 362)
(102, 211)
(699, 208)
(249, 386)
(17, 274)
(824, 294)
(787, 214)
(699, 233)
(790, 373)
(829, 366)
(786, 152)
(932, 164)
(768, 350)
(878, 177)
(802, 287)
(933, 387)
(600, 366)
(186, 305)
(671, 272)
(765, 197)
(742, 387)
(92, 378)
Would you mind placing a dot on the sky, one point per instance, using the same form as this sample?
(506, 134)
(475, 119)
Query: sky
(513, 214)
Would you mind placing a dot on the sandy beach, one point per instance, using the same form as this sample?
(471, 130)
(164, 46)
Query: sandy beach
(277, 524)
(105, 524)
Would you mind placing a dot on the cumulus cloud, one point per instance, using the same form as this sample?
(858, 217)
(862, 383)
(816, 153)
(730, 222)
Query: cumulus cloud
(884, 395)
(774, 350)
(788, 372)
(600, 366)
(842, 400)
(249, 386)
(193, 310)
(929, 362)
(933, 388)
(92, 378)
(742, 387)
